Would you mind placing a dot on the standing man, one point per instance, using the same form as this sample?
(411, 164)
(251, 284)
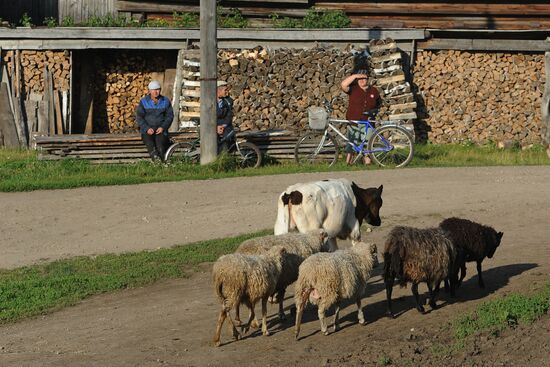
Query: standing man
(154, 116)
(363, 99)
(224, 112)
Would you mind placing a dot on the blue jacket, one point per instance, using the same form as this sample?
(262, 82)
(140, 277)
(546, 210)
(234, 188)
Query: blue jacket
(224, 114)
(153, 115)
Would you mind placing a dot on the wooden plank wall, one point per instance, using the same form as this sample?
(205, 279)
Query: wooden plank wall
(12, 11)
(80, 10)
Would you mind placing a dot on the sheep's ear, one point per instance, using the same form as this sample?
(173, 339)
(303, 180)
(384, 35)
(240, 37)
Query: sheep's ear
(499, 235)
(380, 189)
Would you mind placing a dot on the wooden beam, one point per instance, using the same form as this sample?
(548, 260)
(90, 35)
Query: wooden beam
(483, 45)
(177, 92)
(437, 8)
(160, 34)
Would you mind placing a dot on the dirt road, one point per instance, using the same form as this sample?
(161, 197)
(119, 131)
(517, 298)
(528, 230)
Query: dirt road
(172, 323)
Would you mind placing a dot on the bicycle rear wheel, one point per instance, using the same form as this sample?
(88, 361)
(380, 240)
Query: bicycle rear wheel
(315, 148)
(183, 152)
(391, 146)
(249, 155)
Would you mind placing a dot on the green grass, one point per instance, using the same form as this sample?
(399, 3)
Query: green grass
(22, 171)
(504, 312)
(37, 289)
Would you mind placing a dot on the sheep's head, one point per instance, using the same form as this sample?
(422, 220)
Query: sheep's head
(492, 241)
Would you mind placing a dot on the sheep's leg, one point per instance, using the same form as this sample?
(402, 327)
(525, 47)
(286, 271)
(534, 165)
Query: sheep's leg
(419, 306)
(336, 314)
(462, 273)
(480, 279)
(360, 315)
(237, 313)
(219, 324)
(321, 314)
(281, 296)
(300, 311)
(264, 316)
(251, 320)
(236, 334)
(389, 288)
(432, 294)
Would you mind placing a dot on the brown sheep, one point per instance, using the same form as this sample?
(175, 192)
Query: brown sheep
(418, 255)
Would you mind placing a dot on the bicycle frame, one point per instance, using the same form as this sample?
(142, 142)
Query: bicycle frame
(361, 149)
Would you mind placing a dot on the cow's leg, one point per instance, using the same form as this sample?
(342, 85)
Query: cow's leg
(332, 245)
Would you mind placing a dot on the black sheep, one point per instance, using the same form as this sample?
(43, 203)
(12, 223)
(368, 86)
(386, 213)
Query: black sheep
(476, 240)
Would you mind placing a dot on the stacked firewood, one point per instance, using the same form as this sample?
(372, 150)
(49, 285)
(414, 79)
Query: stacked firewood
(480, 97)
(119, 86)
(386, 71)
(190, 91)
(33, 64)
(273, 89)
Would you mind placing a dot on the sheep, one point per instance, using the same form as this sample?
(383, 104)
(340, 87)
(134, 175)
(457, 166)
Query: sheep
(330, 278)
(419, 255)
(476, 240)
(245, 278)
(298, 247)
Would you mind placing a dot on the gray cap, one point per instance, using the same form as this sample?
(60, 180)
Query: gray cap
(154, 84)
(221, 83)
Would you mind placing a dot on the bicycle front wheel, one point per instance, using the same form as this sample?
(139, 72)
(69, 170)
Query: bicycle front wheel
(315, 148)
(391, 146)
(249, 155)
(183, 152)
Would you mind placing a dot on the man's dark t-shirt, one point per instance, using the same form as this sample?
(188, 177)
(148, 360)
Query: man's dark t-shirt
(361, 101)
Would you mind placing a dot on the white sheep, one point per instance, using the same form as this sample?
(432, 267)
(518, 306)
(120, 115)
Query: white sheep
(245, 279)
(329, 278)
(298, 247)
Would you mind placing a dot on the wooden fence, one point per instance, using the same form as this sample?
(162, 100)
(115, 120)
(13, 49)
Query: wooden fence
(38, 10)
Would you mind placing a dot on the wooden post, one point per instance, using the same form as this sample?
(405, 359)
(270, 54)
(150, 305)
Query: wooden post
(177, 93)
(208, 45)
(545, 108)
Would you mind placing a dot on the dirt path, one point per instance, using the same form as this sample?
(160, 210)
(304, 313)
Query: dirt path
(172, 323)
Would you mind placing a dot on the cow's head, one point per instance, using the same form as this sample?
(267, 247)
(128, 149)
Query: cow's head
(369, 202)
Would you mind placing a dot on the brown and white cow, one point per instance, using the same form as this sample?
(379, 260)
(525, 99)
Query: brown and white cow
(338, 206)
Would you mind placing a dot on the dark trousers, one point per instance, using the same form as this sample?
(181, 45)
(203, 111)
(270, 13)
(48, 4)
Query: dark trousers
(156, 145)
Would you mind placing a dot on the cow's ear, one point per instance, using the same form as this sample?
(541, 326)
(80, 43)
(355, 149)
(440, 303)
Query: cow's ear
(380, 189)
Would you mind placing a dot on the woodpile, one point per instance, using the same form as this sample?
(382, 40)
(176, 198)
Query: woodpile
(38, 87)
(480, 97)
(33, 64)
(386, 72)
(119, 86)
(273, 89)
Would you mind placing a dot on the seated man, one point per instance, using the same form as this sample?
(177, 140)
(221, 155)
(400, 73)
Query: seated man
(224, 112)
(154, 116)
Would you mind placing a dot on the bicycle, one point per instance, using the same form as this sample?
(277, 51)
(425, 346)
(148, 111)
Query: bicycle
(248, 154)
(389, 144)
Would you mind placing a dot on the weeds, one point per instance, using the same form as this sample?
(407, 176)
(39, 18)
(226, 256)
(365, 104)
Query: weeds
(505, 312)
